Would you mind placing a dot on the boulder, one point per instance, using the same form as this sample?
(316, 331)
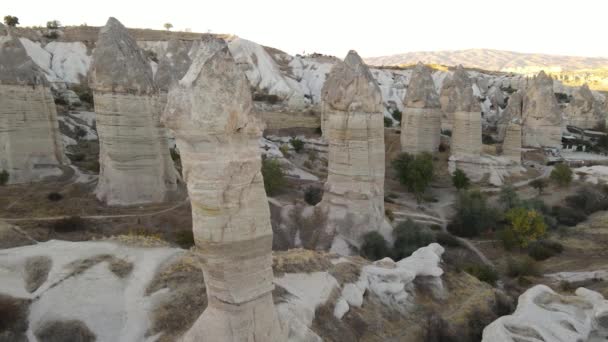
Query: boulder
(354, 128)
(208, 112)
(135, 164)
(30, 143)
(421, 121)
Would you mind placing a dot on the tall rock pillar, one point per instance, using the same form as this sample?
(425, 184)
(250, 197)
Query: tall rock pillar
(209, 115)
(30, 143)
(354, 192)
(466, 133)
(542, 117)
(421, 122)
(135, 164)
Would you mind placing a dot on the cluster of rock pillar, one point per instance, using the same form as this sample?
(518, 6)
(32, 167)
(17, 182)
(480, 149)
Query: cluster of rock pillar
(30, 143)
(208, 112)
(354, 129)
(135, 164)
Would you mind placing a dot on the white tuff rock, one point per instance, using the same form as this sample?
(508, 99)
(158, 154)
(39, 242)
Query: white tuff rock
(209, 114)
(542, 118)
(584, 111)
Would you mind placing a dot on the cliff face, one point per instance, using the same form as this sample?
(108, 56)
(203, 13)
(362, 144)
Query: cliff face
(209, 114)
(30, 143)
(135, 165)
(352, 109)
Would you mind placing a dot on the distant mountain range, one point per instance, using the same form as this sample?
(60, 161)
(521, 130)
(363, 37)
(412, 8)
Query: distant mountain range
(495, 60)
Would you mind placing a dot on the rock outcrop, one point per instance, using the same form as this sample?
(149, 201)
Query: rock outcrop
(542, 118)
(509, 128)
(30, 142)
(209, 115)
(421, 122)
(354, 129)
(544, 315)
(456, 95)
(172, 65)
(514, 110)
(465, 114)
(135, 165)
(584, 110)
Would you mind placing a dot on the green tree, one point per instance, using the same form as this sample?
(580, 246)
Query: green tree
(11, 21)
(4, 177)
(374, 246)
(460, 180)
(562, 175)
(274, 176)
(473, 215)
(388, 122)
(298, 145)
(415, 172)
(509, 198)
(539, 184)
(526, 225)
(168, 26)
(53, 24)
(397, 115)
(409, 236)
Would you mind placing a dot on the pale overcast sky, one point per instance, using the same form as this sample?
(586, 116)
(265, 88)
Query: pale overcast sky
(372, 27)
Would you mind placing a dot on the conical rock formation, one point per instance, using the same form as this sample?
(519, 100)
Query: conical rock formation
(354, 128)
(542, 118)
(421, 122)
(209, 115)
(457, 96)
(584, 110)
(509, 128)
(30, 143)
(135, 165)
(466, 116)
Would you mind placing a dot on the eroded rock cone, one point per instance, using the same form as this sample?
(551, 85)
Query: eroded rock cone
(135, 165)
(509, 128)
(584, 110)
(354, 128)
(542, 118)
(209, 115)
(466, 115)
(173, 64)
(457, 96)
(30, 142)
(421, 122)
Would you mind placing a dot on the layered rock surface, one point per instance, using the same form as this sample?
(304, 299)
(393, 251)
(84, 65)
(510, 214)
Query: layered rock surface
(209, 114)
(584, 110)
(544, 315)
(465, 114)
(421, 121)
(354, 128)
(30, 143)
(510, 130)
(457, 96)
(542, 118)
(135, 165)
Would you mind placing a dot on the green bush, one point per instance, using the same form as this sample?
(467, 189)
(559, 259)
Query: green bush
(562, 175)
(274, 176)
(388, 122)
(460, 180)
(70, 224)
(185, 238)
(84, 93)
(389, 214)
(4, 177)
(539, 184)
(374, 247)
(473, 215)
(483, 273)
(509, 198)
(568, 216)
(409, 236)
(544, 249)
(508, 238)
(297, 144)
(588, 200)
(415, 172)
(313, 195)
(522, 267)
(447, 239)
(11, 21)
(397, 115)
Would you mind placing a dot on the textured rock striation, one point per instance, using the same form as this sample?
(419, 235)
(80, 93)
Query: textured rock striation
(466, 116)
(544, 315)
(542, 118)
(421, 122)
(209, 115)
(354, 129)
(135, 165)
(509, 128)
(30, 143)
(456, 94)
(584, 110)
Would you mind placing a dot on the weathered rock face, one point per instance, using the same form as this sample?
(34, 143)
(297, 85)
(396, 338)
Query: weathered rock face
(584, 110)
(135, 165)
(511, 146)
(354, 128)
(513, 111)
(421, 122)
(457, 96)
(542, 119)
(466, 115)
(173, 65)
(544, 315)
(209, 114)
(30, 143)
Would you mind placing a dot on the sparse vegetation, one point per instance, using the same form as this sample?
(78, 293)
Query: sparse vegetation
(521, 267)
(84, 93)
(397, 115)
(389, 214)
(4, 177)
(11, 21)
(544, 249)
(274, 176)
(297, 144)
(313, 195)
(409, 236)
(53, 24)
(562, 175)
(539, 184)
(473, 215)
(374, 246)
(168, 26)
(185, 238)
(460, 180)
(388, 122)
(484, 273)
(527, 225)
(271, 99)
(284, 150)
(415, 172)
